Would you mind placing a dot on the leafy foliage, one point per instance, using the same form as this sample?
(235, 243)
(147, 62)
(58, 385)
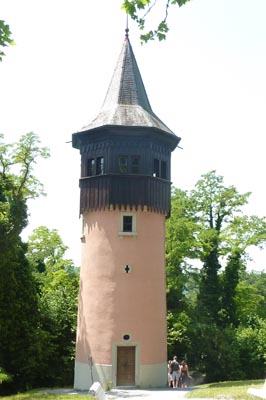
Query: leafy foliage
(5, 37)
(229, 282)
(209, 296)
(19, 319)
(4, 377)
(38, 286)
(251, 341)
(134, 8)
(58, 282)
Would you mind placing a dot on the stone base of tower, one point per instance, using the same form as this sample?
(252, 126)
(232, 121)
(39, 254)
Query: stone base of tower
(146, 376)
(153, 375)
(85, 376)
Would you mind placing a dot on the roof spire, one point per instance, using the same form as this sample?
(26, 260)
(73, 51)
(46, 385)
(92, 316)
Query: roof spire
(126, 102)
(127, 30)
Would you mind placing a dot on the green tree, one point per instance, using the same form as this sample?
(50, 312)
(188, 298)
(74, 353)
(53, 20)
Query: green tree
(230, 280)
(224, 237)
(46, 250)
(251, 296)
(251, 343)
(180, 247)
(250, 303)
(139, 11)
(5, 37)
(18, 295)
(58, 290)
(207, 242)
(180, 275)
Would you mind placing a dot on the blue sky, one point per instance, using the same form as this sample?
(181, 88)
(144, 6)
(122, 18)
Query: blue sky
(206, 82)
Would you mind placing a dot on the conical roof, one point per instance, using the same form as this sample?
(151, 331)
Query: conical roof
(126, 102)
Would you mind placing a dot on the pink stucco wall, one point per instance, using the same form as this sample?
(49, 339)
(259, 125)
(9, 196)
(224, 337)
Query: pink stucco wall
(113, 303)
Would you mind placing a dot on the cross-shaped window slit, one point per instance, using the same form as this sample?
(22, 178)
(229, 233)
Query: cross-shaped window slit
(127, 269)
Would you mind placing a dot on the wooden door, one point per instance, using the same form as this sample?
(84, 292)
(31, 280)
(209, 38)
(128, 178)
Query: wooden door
(125, 366)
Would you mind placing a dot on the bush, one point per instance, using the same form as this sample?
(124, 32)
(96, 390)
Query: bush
(4, 376)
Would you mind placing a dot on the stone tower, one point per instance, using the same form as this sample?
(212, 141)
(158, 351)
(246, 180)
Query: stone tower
(124, 200)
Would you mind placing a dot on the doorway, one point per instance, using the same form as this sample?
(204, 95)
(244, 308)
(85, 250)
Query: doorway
(126, 356)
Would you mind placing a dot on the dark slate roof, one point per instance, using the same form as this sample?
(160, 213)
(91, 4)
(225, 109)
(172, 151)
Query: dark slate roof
(126, 102)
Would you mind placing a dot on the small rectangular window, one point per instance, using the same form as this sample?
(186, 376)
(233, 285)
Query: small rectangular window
(163, 170)
(123, 164)
(99, 165)
(91, 167)
(135, 161)
(127, 223)
(156, 168)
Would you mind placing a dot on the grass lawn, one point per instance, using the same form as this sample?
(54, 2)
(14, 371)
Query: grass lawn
(225, 390)
(35, 395)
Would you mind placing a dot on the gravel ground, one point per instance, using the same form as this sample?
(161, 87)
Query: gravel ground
(143, 394)
(131, 394)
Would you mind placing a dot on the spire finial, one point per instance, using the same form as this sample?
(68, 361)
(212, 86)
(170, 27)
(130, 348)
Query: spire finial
(127, 30)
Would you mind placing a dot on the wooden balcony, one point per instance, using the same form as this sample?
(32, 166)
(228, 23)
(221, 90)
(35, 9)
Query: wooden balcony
(122, 191)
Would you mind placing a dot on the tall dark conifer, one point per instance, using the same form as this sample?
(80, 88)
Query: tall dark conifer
(18, 296)
(230, 280)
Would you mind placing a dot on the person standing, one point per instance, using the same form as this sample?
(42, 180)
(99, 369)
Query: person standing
(170, 383)
(175, 371)
(184, 374)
